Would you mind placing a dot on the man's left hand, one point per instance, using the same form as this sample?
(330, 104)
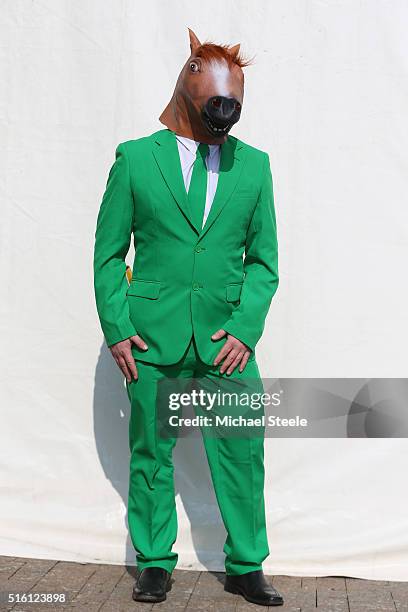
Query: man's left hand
(234, 353)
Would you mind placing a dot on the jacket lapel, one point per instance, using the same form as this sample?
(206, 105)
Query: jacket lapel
(166, 153)
(231, 165)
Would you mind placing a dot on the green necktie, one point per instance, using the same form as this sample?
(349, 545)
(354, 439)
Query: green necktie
(197, 191)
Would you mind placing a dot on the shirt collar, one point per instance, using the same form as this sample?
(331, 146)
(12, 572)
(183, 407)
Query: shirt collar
(192, 145)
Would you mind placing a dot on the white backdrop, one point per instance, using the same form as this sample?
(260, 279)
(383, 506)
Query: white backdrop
(327, 98)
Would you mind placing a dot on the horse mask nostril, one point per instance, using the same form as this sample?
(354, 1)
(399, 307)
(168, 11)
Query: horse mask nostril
(223, 109)
(220, 113)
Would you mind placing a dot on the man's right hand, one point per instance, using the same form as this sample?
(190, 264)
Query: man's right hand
(122, 354)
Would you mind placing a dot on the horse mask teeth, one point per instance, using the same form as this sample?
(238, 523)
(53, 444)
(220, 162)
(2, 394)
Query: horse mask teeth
(209, 92)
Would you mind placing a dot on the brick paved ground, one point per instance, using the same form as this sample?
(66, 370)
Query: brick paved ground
(107, 588)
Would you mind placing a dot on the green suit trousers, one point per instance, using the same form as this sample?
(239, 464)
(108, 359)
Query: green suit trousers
(236, 466)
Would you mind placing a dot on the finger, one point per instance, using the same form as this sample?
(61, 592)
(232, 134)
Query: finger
(228, 360)
(235, 362)
(244, 361)
(131, 364)
(116, 358)
(124, 368)
(139, 343)
(219, 334)
(223, 352)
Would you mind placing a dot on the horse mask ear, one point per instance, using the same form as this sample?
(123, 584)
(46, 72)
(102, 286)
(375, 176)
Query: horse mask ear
(194, 42)
(234, 50)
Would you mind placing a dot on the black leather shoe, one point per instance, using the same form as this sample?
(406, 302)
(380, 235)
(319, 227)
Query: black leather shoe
(152, 585)
(254, 588)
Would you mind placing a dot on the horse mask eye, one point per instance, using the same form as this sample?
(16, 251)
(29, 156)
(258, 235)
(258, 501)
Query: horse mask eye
(194, 67)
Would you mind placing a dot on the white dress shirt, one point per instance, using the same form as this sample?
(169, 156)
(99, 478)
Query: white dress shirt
(187, 150)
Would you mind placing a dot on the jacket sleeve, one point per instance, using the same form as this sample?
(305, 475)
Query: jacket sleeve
(260, 268)
(112, 240)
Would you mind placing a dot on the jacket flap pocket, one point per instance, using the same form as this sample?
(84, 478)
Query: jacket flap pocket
(234, 292)
(144, 288)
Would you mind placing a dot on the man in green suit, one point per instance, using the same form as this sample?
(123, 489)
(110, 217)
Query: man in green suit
(199, 204)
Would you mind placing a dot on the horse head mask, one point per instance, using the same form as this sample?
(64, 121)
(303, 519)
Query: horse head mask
(209, 93)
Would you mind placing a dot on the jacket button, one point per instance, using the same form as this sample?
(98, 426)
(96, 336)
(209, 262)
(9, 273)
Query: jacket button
(196, 286)
(198, 249)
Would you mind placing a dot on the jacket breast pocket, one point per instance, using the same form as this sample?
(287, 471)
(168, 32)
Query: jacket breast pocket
(144, 288)
(233, 292)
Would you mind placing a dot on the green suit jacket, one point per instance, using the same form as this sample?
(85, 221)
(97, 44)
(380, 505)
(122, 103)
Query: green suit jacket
(185, 279)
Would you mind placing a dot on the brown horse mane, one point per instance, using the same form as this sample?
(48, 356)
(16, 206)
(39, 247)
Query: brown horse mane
(210, 51)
